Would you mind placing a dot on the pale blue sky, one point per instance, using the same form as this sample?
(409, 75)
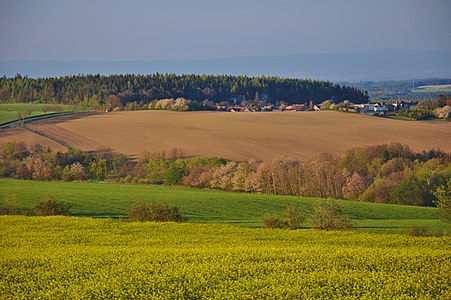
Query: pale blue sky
(198, 29)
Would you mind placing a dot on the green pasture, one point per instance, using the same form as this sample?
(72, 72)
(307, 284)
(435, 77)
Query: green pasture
(211, 206)
(9, 112)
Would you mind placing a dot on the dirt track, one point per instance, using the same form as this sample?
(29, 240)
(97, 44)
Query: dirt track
(241, 135)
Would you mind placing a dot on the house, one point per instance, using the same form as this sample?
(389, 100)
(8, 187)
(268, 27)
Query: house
(368, 107)
(268, 107)
(234, 108)
(221, 108)
(300, 107)
(404, 104)
(296, 106)
(379, 107)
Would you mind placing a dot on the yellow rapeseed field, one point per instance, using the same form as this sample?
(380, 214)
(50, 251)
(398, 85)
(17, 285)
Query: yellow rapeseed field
(74, 258)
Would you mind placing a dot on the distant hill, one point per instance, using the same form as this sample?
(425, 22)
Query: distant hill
(374, 65)
(403, 89)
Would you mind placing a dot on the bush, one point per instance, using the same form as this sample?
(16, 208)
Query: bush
(418, 231)
(52, 207)
(329, 215)
(443, 194)
(407, 192)
(271, 221)
(9, 204)
(293, 219)
(155, 212)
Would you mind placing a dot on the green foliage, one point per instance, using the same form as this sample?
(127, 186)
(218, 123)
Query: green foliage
(10, 203)
(293, 218)
(418, 231)
(212, 206)
(174, 174)
(155, 212)
(443, 194)
(272, 221)
(52, 207)
(329, 215)
(416, 114)
(407, 192)
(380, 173)
(68, 258)
(74, 172)
(119, 90)
(16, 111)
(98, 169)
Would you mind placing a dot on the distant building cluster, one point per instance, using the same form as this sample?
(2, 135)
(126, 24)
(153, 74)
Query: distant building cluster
(380, 107)
(366, 108)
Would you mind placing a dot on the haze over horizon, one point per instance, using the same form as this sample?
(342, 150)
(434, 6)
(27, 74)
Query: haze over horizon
(178, 31)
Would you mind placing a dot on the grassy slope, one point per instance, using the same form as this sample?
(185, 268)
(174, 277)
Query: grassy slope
(8, 112)
(209, 206)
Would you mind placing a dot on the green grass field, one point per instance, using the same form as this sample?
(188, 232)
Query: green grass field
(86, 258)
(9, 112)
(210, 206)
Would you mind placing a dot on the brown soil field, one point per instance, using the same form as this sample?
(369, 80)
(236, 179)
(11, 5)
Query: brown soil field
(242, 135)
(22, 135)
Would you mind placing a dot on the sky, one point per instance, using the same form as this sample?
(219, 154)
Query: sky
(111, 30)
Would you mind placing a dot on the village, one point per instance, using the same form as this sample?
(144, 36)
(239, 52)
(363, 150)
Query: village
(372, 108)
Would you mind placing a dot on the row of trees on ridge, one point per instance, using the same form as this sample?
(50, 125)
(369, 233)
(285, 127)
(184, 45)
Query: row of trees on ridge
(381, 173)
(98, 91)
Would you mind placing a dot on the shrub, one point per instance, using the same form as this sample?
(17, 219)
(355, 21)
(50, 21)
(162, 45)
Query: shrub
(52, 207)
(156, 212)
(407, 192)
(418, 231)
(329, 215)
(9, 204)
(293, 219)
(271, 221)
(443, 194)
(174, 174)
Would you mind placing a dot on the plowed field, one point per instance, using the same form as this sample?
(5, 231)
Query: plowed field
(240, 135)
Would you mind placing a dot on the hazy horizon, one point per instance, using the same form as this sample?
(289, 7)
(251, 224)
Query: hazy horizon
(137, 30)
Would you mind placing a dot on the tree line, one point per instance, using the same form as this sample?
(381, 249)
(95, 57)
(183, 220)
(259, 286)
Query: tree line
(389, 173)
(98, 91)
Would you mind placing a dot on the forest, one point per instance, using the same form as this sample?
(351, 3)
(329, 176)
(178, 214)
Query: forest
(388, 173)
(99, 92)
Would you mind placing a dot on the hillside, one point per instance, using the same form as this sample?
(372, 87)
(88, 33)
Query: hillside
(102, 92)
(211, 206)
(404, 89)
(238, 136)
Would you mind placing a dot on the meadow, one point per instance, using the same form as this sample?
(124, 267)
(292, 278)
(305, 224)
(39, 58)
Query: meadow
(240, 136)
(86, 258)
(211, 206)
(9, 112)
